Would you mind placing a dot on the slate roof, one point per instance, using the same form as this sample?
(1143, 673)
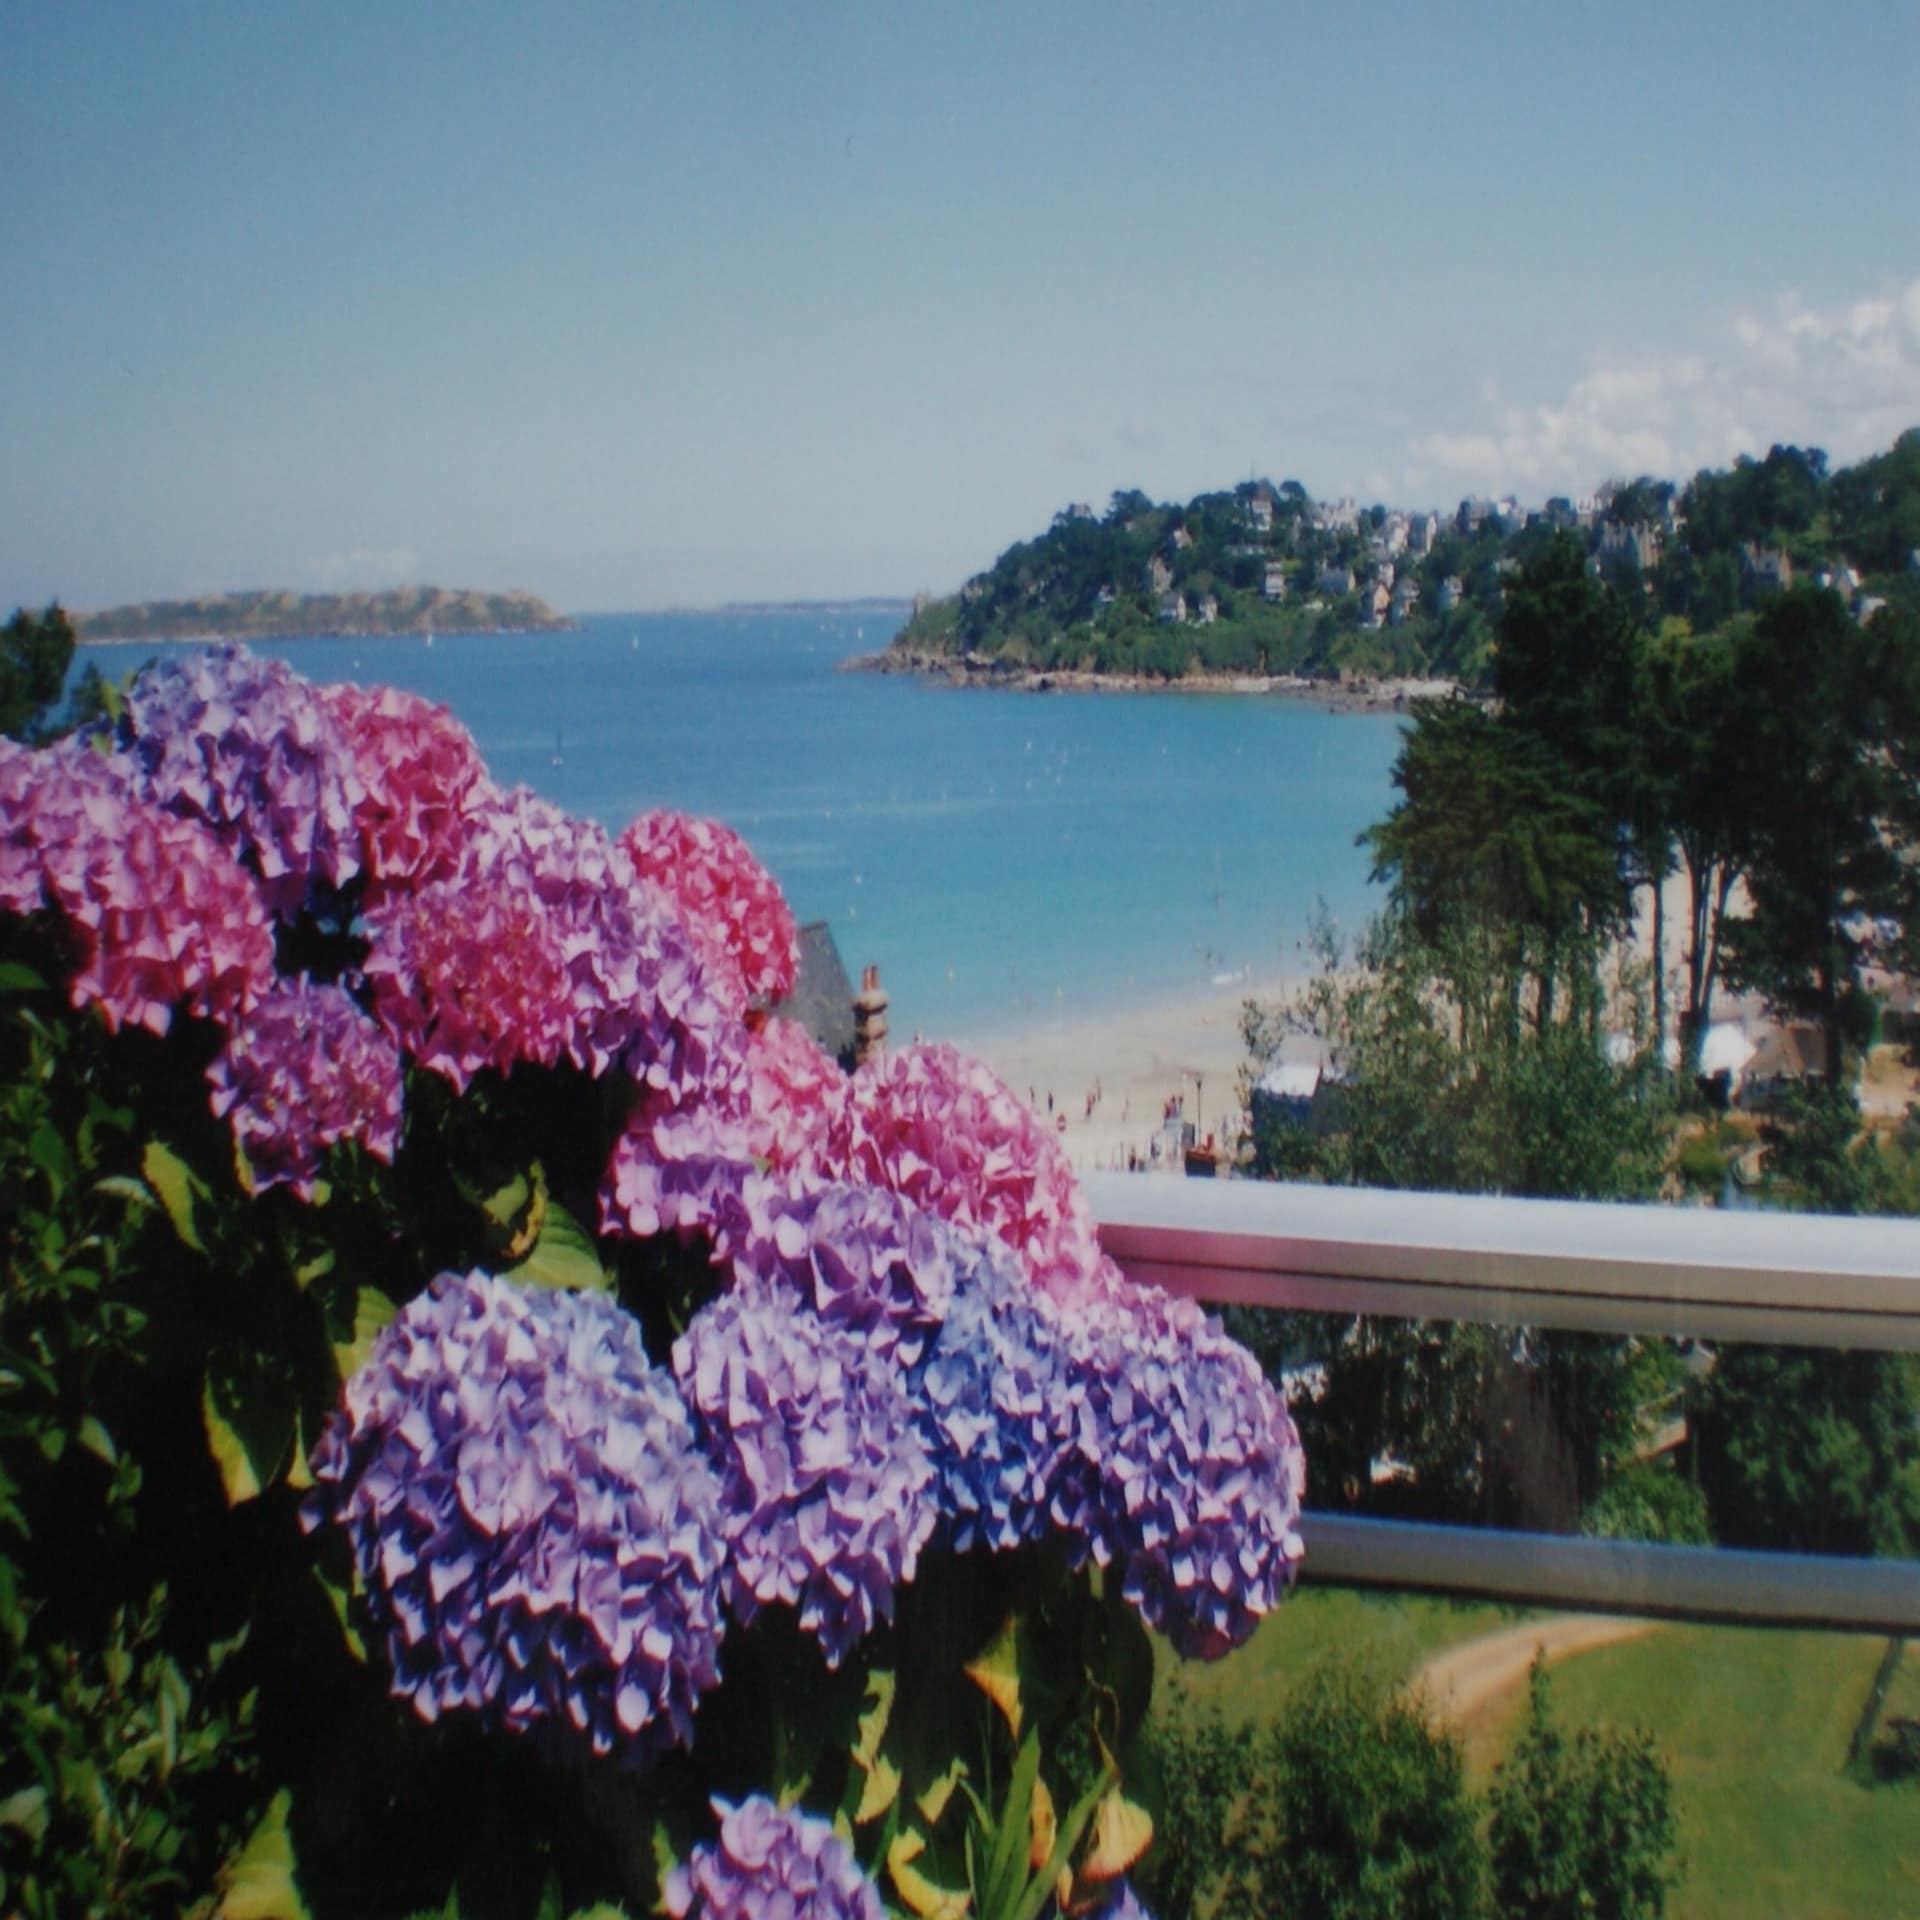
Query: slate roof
(822, 996)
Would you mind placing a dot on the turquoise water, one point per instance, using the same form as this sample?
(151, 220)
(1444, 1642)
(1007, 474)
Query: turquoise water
(1003, 856)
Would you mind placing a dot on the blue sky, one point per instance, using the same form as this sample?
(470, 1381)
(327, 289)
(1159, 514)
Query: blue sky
(638, 305)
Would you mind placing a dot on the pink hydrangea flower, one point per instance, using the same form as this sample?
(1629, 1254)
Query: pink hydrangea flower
(304, 1070)
(160, 912)
(796, 1095)
(944, 1130)
(542, 946)
(728, 902)
(419, 773)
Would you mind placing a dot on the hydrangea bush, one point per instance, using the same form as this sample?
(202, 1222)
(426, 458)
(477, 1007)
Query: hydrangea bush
(637, 1342)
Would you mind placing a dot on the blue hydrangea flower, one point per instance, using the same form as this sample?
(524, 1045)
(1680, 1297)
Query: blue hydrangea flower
(996, 1403)
(534, 1526)
(826, 1489)
(770, 1864)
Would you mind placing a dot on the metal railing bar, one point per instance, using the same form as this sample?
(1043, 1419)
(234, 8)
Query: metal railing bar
(1793, 1279)
(1714, 1584)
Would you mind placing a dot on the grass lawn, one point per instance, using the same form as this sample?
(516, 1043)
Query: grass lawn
(1754, 1725)
(1400, 1631)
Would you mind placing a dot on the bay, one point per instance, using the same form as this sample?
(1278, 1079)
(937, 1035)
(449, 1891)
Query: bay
(1004, 857)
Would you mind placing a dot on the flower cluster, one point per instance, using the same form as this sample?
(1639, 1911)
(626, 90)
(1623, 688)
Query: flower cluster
(534, 1528)
(917, 1338)
(860, 1257)
(771, 1863)
(418, 773)
(541, 946)
(158, 909)
(796, 1096)
(1195, 1467)
(945, 1131)
(996, 1402)
(253, 750)
(725, 897)
(300, 1072)
(825, 1487)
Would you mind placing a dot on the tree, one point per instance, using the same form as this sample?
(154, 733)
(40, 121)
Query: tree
(1583, 1825)
(1369, 1813)
(1832, 710)
(1497, 861)
(35, 653)
(1701, 758)
(1811, 1450)
(1494, 1426)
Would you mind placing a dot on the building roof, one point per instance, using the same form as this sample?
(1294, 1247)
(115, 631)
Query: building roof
(822, 996)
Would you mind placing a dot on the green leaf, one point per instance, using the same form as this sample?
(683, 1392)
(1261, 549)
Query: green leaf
(322, 1264)
(372, 1313)
(97, 1440)
(563, 1256)
(247, 1406)
(258, 1883)
(664, 1857)
(1006, 1862)
(1067, 1837)
(995, 1670)
(337, 1600)
(873, 1722)
(177, 1186)
(123, 1186)
(26, 1812)
(15, 977)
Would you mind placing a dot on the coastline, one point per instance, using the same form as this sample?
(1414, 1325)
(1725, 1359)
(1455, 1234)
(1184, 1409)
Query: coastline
(1139, 1055)
(1354, 694)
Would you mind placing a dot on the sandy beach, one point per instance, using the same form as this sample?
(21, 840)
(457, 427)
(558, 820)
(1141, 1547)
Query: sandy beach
(1186, 1047)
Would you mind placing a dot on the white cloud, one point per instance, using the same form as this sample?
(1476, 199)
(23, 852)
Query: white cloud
(361, 569)
(1846, 378)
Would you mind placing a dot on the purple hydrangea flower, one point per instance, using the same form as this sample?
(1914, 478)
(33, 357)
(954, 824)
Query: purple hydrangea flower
(532, 1522)
(770, 1864)
(1125, 1905)
(1199, 1470)
(250, 748)
(826, 1489)
(861, 1257)
(684, 1168)
(305, 1069)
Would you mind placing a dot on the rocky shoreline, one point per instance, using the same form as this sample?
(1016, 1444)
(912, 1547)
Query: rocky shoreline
(1351, 694)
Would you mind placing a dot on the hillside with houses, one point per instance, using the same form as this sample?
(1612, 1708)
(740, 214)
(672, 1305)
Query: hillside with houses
(1264, 579)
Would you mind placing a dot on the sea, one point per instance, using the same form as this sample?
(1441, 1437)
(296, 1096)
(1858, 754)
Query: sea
(1004, 857)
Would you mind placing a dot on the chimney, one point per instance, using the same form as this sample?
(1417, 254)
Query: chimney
(869, 1018)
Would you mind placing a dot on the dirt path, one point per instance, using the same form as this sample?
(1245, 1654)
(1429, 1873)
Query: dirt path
(1464, 1679)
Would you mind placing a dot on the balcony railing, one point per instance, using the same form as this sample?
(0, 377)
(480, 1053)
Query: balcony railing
(1792, 1280)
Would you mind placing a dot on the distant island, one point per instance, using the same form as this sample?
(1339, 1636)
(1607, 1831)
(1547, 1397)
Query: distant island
(1264, 588)
(269, 615)
(878, 606)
